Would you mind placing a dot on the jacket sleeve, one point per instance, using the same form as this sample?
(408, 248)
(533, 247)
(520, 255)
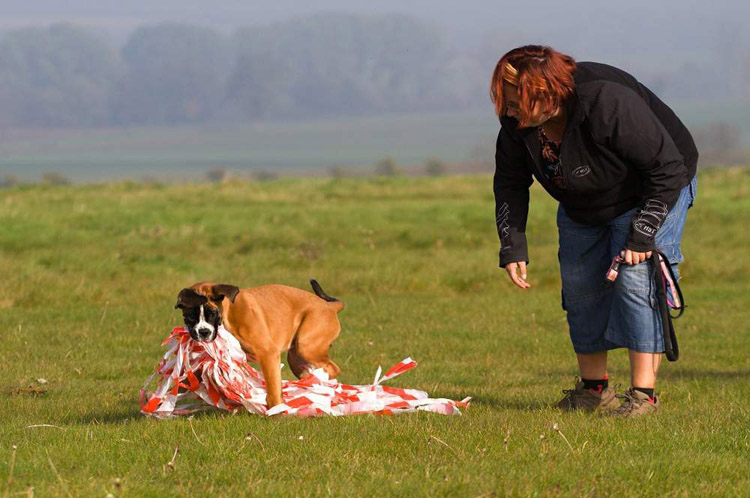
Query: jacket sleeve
(511, 186)
(624, 121)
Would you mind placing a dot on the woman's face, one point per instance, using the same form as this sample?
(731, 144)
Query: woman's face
(538, 115)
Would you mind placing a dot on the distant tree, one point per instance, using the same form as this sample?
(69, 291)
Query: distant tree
(334, 64)
(9, 181)
(387, 167)
(217, 175)
(262, 175)
(54, 178)
(59, 75)
(337, 172)
(152, 181)
(174, 73)
(260, 87)
(435, 167)
(320, 65)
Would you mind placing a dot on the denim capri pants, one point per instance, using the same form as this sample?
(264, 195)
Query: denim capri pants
(623, 315)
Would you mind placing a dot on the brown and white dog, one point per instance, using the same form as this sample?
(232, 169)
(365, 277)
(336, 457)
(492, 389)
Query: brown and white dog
(267, 321)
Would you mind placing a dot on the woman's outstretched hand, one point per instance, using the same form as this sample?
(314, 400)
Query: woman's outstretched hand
(513, 272)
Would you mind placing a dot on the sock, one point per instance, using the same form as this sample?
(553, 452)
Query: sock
(647, 391)
(596, 385)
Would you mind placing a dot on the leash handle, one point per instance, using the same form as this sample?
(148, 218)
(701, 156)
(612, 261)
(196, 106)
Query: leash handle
(675, 300)
(664, 276)
(668, 293)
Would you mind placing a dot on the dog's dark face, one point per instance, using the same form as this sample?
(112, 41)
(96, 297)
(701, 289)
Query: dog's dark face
(202, 314)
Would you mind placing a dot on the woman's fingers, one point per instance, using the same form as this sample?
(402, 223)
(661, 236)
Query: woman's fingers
(512, 269)
(634, 258)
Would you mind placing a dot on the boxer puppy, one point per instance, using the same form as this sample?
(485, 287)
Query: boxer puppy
(267, 321)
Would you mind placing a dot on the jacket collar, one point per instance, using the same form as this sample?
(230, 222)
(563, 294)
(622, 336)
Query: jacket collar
(575, 118)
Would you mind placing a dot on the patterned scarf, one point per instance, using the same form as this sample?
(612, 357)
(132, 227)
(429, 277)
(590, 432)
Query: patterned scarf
(551, 163)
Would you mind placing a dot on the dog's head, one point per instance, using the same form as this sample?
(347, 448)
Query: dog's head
(201, 307)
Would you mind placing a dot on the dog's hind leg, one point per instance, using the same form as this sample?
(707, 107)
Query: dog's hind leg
(296, 362)
(314, 337)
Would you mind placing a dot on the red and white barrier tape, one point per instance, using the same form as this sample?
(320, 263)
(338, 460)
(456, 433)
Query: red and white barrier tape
(196, 376)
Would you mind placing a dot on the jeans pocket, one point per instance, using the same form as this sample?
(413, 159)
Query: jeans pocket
(672, 252)
(693, 190)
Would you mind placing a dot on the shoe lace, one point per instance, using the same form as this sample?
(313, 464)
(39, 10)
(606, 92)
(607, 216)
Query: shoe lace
(628, 403)
(570, 392)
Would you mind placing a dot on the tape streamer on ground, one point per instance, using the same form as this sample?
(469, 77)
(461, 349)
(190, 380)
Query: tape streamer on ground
(195, 376)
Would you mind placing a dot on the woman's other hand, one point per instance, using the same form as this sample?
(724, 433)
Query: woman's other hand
(513, 272)
(633, 258)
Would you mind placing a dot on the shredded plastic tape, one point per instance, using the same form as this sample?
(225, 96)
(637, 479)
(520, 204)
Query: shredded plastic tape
(195, 376)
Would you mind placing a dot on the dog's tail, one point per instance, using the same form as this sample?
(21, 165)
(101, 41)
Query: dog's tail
(321, 294)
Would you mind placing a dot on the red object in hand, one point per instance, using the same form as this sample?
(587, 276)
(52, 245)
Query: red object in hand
(614, 268)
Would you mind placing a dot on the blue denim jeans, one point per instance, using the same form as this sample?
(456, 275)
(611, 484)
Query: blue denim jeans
(625, 314)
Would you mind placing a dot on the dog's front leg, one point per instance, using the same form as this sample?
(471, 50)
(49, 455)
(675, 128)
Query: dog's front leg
(271, 365)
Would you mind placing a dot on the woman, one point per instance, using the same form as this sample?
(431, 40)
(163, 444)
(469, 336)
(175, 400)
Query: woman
(622, 166)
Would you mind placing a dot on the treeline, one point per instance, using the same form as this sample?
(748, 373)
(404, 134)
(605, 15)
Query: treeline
(323, 65)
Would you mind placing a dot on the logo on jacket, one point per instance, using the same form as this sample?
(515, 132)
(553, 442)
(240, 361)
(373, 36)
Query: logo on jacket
(581, 171)
(650, 217)
(644, 228)
(502, 222)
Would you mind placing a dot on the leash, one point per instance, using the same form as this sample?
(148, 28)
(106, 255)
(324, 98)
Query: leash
(668, 294)
(670, 297)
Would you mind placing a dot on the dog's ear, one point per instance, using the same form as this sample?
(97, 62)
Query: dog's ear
(188, 298)
(220, 291)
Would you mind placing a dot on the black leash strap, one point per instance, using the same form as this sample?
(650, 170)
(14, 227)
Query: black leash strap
(671, 348)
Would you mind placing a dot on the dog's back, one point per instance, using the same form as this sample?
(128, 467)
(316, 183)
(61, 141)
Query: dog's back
(276, 295)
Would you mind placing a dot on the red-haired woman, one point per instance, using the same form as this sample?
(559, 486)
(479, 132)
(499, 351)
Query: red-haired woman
(622, 166)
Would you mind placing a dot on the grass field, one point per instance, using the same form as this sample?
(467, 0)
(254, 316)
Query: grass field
(90, 275)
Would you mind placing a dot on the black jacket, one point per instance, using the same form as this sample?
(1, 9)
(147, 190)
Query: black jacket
(622, 148)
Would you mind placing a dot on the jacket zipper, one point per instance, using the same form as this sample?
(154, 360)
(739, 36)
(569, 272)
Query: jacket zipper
(534, 159)
(563, 170)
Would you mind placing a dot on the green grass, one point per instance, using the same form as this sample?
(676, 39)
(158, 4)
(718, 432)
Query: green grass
(90, 275)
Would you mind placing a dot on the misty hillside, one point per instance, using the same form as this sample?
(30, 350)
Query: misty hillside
(110, 89)
(670, 42)
(316, 65)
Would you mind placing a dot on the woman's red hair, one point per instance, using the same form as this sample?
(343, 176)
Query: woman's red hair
(544, 75)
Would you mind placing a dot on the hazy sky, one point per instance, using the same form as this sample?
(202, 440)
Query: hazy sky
(630, 24)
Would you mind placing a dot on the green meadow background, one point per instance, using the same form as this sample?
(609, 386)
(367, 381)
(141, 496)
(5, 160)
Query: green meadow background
(90, 274)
